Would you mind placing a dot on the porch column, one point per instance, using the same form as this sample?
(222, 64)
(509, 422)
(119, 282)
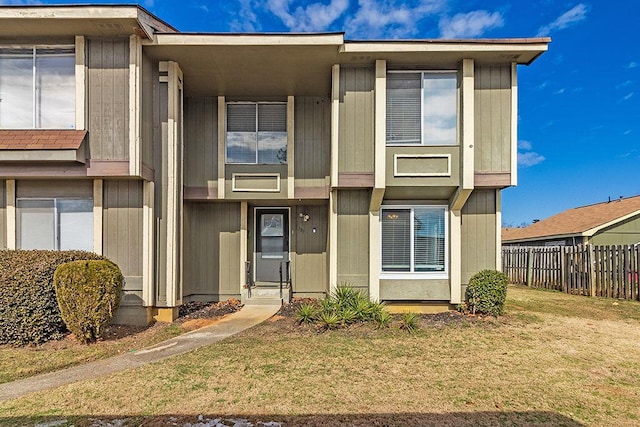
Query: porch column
(11, 213)
(455, 262)
(243, 244)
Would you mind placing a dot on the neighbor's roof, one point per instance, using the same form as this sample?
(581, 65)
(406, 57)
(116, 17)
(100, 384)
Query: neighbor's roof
(41, 139)
(583, 221)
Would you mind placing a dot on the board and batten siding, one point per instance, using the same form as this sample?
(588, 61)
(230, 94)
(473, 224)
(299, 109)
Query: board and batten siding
(312, 141)
(478, 233)
(108, 98)
(309, 250)
(211, 251)
(492, 119)
(353, 238)
(200, 141)
(122, 233)
(3, 215)
(356, 118)
(149, 76)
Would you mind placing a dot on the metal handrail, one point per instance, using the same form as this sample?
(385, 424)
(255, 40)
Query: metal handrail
(249, 278)
(288, 278)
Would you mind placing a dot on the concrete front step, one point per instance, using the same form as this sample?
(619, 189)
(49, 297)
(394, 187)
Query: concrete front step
(264, 296)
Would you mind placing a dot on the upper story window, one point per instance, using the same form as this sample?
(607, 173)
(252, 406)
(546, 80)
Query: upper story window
(414, 240)
(257, 133)
(422, 108)
(37, 87)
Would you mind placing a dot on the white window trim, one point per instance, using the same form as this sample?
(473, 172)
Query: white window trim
(432, 275)
(226, 119)
(34, 48)
(56, 219)
(422, 139)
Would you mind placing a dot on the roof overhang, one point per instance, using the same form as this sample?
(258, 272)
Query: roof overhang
(69, 20)
(600, 227)
(251, 65)
(440, 52)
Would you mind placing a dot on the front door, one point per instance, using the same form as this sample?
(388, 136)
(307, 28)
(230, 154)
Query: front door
(272, 243)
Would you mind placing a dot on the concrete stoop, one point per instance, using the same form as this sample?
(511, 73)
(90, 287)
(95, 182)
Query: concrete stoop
(260, 295)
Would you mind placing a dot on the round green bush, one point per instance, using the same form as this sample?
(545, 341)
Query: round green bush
(487, 292)
(29, 312)
(88, 294)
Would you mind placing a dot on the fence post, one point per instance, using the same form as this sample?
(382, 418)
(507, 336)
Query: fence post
(591, 268)
(529, 266)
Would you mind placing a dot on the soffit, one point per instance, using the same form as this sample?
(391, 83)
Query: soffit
(257, 68)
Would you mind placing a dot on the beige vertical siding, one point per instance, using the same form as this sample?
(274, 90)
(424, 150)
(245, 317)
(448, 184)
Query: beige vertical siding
(148, 76)
(211, 251)
(355, 149)
(54, 188)
(200, 141)
(353, 238)
(478, 233)
(309, 250)
(624, 233)
(493, 119)
(312, 141)
(122, 233)
(108, 98)
(3, 215)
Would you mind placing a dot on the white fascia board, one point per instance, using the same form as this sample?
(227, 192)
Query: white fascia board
(429, 46)
(594, 230)
(250, 39)
(76, 12)
(536, 238)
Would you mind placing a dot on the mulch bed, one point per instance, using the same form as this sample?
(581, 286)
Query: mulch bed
(207, 310)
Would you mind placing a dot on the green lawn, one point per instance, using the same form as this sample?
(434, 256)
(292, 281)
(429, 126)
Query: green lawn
(553, 359)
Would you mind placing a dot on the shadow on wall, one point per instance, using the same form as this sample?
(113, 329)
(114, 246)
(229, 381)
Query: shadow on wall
(532, 418)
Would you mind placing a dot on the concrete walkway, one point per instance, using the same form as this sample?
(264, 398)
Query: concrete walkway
(237, 322)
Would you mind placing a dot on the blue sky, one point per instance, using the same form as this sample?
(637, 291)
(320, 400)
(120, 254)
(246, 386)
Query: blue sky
(579, 107)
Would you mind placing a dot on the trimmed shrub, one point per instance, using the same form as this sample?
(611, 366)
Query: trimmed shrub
(29, 312)
(487, 292)
(88, 294)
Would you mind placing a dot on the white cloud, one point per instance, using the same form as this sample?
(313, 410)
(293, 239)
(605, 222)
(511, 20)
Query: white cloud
(627, 96)
(312, 17)
(472, 24)
(247, 21)
(627, 132)
(633, 64)
(389, 18)
(524, 145)
(526, 157)
(559, 91)
(529, 158)
(572, 16)
(18, 2)
(624, 84)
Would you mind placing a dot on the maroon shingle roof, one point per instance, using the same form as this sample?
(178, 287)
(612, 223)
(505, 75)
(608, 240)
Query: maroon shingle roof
(41, 139)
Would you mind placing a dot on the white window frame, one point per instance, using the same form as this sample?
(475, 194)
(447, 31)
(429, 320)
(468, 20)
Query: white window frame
(226, 132)
(56, 217)
(423, 141)
(34, 48)
(412, 275)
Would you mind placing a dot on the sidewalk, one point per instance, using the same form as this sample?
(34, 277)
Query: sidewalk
(237, 322)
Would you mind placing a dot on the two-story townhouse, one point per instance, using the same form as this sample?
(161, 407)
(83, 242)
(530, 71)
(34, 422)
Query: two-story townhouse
(210, 166)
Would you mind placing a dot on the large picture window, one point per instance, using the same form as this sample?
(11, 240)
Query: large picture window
(257, 133)
(37, 88)
(422, 108)
(55, 224)
(414, 239)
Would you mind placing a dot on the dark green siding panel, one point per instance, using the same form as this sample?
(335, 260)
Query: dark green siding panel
(3, 214)
(108, 98)
(312, 141)
(624, 233)
(478, 233)
(356, 133)
(200, 141)
(492, 119)
(122, 233)
(353, 238)
(309, 249)
(211, 250)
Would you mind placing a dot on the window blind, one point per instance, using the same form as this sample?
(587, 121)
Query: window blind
(404, 108)
(396, 240)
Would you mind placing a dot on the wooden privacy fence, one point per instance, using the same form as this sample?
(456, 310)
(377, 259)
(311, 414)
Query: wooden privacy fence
(603, 271)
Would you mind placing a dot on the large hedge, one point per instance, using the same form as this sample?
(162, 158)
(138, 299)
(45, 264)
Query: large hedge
(88, 294)
(487, 292)
(29, 312)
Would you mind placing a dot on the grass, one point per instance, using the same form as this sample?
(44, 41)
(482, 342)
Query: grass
(553, 359)
(22, 362)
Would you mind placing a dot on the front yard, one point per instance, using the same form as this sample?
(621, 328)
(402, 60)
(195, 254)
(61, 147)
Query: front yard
(553, 359)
